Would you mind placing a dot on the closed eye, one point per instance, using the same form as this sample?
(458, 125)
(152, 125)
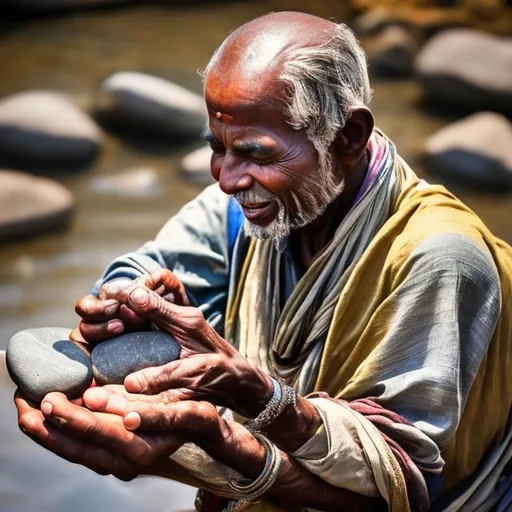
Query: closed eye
(215, 143)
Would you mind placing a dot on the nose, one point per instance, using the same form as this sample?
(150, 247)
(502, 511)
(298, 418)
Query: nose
(234, 175)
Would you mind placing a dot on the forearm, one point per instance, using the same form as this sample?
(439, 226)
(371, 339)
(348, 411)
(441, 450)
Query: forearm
(295, 485)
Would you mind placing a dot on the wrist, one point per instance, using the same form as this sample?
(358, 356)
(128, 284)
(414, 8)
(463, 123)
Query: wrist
(256, 393)
(294, 426)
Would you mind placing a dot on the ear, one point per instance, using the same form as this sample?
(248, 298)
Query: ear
(352, 139)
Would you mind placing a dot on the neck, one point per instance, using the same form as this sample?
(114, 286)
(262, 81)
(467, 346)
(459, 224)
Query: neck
(314, 238)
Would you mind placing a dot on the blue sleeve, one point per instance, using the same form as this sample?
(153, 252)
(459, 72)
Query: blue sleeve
(195, 245)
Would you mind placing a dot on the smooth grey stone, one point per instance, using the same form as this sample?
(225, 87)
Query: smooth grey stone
(44, 360)
(475, 151)
(467, 70)
(114, 359)
(41, 128)
(32, 205)
(142, 104)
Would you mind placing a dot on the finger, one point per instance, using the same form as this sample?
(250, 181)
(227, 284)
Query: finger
(106, 431)
(92, 309)
(183, 419)
(176, 377)
(113, 399)
(76, 335)
(131, 319)
(96, 332)
(153, 409)
(153, 307)
(32, 422)
(170, 283)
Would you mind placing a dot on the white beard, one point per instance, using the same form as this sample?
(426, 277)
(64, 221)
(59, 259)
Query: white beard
(310, 205)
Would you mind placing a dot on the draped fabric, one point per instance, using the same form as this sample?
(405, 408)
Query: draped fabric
(404, 322)
(279, 340)
(410, 305)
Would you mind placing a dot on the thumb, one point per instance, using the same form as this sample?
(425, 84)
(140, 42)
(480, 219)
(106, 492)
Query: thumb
(151, 306)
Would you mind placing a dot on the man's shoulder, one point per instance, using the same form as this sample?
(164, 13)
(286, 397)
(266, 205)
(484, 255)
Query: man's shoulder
(438, 232)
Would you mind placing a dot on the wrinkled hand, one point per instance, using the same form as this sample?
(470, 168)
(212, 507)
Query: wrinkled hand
(107, 316)
(98, 438)
(209, 367)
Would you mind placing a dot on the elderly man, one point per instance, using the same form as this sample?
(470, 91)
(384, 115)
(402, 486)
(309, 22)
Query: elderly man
(345, 327)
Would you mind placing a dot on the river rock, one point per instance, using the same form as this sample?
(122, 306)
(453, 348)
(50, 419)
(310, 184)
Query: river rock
(114, 359)
(391, 53)
(45, 129)
(467, 70)
(476, 151)
(31, 205)
(44, 360)
(144, 104)
(195, 166)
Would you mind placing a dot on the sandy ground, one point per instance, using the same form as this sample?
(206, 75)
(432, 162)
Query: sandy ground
(34, 479)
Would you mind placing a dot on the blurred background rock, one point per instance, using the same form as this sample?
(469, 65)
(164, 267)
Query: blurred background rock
(100, 109)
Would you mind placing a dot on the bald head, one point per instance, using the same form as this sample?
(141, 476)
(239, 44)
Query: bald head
(262, 45)
(311, 68)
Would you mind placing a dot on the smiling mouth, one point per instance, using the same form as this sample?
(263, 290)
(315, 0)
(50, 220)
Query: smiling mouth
(255, 206)
(261, 213)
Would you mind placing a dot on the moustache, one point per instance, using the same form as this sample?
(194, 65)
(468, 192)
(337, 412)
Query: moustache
(248, 196)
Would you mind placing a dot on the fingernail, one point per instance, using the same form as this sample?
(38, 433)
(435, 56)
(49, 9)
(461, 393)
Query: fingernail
(115, 327)
(139, 296)
(132, 420)
(46, 408)
(110, 310)
(57, 422)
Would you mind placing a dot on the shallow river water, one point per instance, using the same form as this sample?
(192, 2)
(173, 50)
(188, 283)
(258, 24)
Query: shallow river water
(41, 279)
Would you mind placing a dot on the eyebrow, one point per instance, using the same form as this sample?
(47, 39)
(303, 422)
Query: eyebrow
(208, 136)
(245, 147)
(253, 147)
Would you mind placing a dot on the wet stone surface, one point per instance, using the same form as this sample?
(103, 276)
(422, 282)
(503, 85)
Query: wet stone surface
(44, 360)
(114, 359)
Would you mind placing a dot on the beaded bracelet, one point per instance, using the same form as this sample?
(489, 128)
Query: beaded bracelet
(282, 396)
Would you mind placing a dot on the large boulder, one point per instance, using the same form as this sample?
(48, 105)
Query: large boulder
(148, 105)
(391, 53)
(195, 166)
(468, 71)
(44, 129)
(31, 205)
(476, 151)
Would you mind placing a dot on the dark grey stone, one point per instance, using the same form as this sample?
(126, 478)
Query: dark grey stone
(44, 360)
(114, 359)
